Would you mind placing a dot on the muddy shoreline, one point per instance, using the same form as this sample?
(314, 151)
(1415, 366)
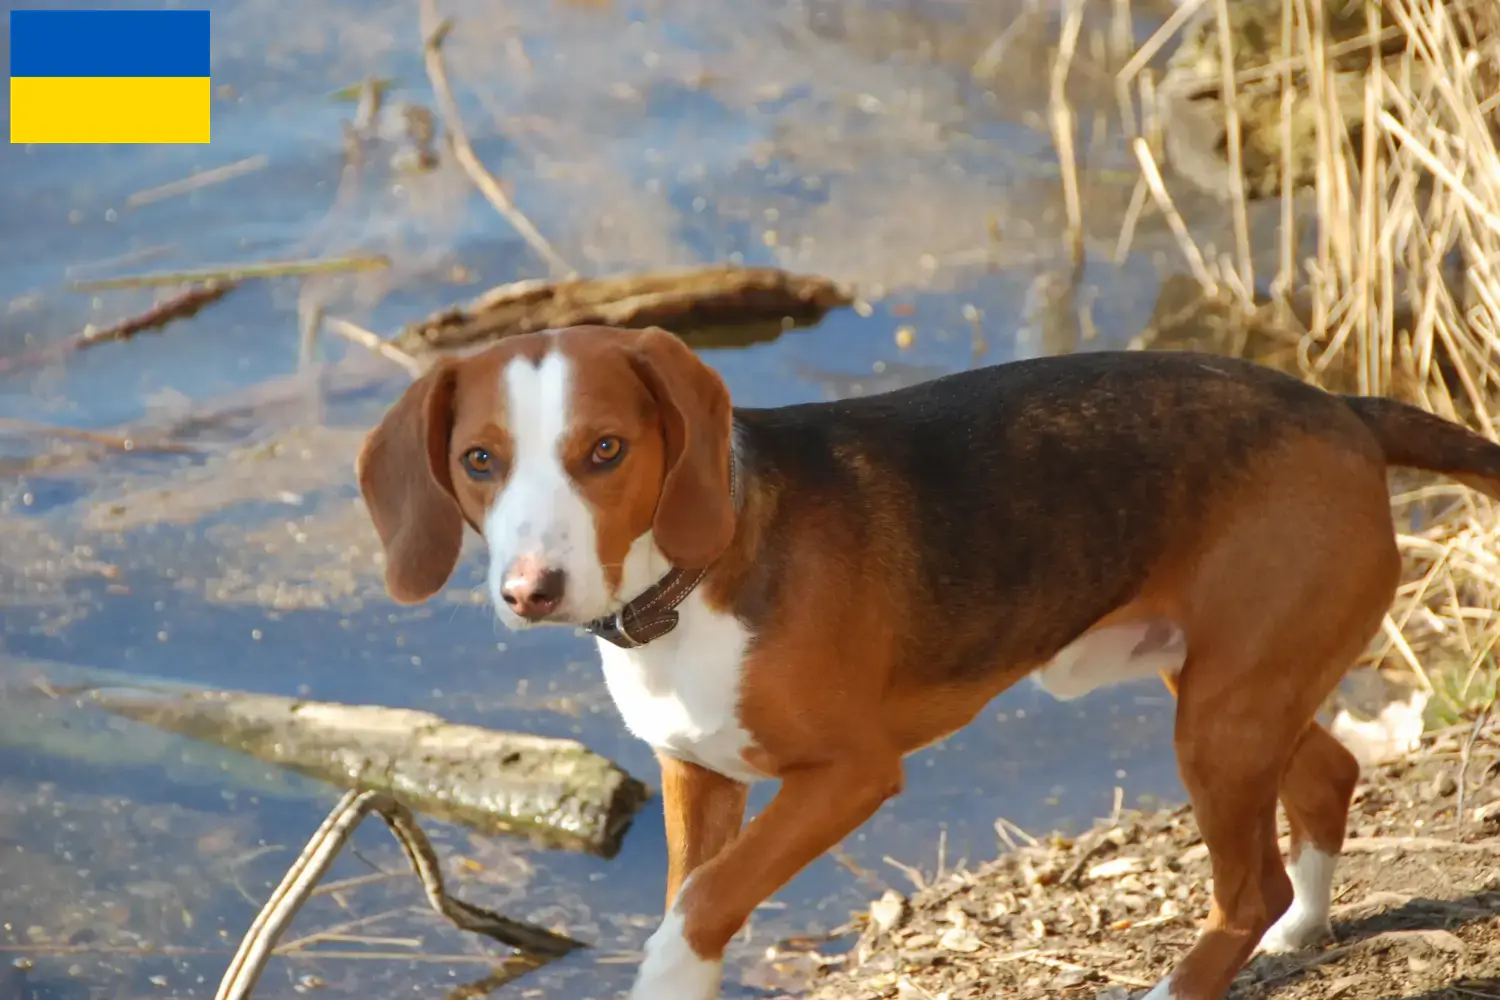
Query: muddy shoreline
(1108, 913)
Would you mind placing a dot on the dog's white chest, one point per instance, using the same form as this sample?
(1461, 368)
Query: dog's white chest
(681, 692)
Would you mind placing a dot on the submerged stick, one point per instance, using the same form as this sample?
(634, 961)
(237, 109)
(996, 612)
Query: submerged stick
(201, 179)
(238, 272)
(183, 305)
(115, 442)
(537, 943)
(373, 341)
(463, 150)
(1465, 758)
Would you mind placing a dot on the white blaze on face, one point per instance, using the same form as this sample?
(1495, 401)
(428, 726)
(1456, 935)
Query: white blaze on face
(539, 512)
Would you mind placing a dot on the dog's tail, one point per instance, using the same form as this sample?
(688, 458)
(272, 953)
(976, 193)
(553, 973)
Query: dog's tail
(1415, 439)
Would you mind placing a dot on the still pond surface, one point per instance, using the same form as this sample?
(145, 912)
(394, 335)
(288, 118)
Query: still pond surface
(900, 145)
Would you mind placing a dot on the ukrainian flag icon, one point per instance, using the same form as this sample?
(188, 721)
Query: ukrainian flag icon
(109, 76)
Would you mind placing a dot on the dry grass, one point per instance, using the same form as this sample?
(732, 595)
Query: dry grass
(1398, 194)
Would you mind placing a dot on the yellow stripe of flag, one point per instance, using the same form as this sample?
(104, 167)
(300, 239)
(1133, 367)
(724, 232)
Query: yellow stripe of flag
(102, 109)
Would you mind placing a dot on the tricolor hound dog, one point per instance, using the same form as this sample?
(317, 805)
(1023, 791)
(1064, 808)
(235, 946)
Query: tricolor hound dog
(810, 593)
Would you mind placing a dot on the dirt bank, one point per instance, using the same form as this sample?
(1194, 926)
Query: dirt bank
(1416, 904)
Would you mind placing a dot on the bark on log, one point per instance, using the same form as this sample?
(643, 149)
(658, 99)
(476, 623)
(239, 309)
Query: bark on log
(707, 307)
(556, 792)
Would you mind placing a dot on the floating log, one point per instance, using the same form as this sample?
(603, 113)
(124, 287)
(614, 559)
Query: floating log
(708, 307)
(555, 792)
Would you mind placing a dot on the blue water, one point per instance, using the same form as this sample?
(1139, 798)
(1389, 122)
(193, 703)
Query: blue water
(639, 136)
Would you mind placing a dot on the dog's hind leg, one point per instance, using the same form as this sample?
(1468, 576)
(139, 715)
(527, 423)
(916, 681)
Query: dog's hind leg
(1315, 791)
(1274, 613)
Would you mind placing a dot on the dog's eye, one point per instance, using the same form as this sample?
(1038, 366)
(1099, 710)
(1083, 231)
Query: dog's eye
(607, 451)
(478, 463)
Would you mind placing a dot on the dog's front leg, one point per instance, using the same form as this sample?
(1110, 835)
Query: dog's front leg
(703, 811)
(816, 807)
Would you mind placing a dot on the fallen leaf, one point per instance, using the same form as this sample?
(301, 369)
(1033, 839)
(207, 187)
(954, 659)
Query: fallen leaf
(1116, 867)
(960, 939)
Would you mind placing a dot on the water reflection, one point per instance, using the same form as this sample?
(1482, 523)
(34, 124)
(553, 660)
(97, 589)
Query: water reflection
(897, 145)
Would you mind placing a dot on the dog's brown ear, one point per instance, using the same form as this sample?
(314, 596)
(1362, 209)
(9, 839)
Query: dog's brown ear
(405, 480)
(694, 520)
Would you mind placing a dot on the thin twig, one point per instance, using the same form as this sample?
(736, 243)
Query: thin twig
(1441, 171)
(1114, 977)
(466, 916)
(340, 931)
(374, 342)
(865, 875)
(1160, 37)
(912, 873)
(183, 305)
(1062, 121)
(297, 886)
(1005, 828)
(201, 179)
(238, 272)
(309, 323)
(463, 151)
(354, 882)
(481, 988)
(1236, 158)
(1073, 877)
(1174, 220)
(1463, 767)
(1375, 845)
(117, 442)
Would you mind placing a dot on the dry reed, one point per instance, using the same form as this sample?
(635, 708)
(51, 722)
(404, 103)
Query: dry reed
(1382, 307)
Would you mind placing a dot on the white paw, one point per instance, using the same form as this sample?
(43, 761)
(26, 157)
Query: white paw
(671, 969)
(1297, 929)
(1305, 923)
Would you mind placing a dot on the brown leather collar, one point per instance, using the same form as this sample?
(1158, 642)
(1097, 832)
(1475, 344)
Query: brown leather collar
(653, 614)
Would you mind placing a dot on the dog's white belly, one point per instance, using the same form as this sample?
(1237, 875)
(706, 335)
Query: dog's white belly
(1113, 655)
(681, 693)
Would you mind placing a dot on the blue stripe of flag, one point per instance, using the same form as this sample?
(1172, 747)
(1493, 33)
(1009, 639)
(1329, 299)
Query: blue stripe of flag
(87, 43)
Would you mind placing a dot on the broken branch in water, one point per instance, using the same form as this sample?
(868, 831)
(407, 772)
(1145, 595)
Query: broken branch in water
(201, 179)
(684, 301)
(537, 944)
(463, 151)
(183, 305)
(238, 272)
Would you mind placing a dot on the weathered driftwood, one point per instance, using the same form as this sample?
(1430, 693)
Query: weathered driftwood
(706, 306)
(556, 792)
(1191, 90)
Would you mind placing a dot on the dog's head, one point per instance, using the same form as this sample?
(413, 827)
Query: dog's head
(588, 458)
